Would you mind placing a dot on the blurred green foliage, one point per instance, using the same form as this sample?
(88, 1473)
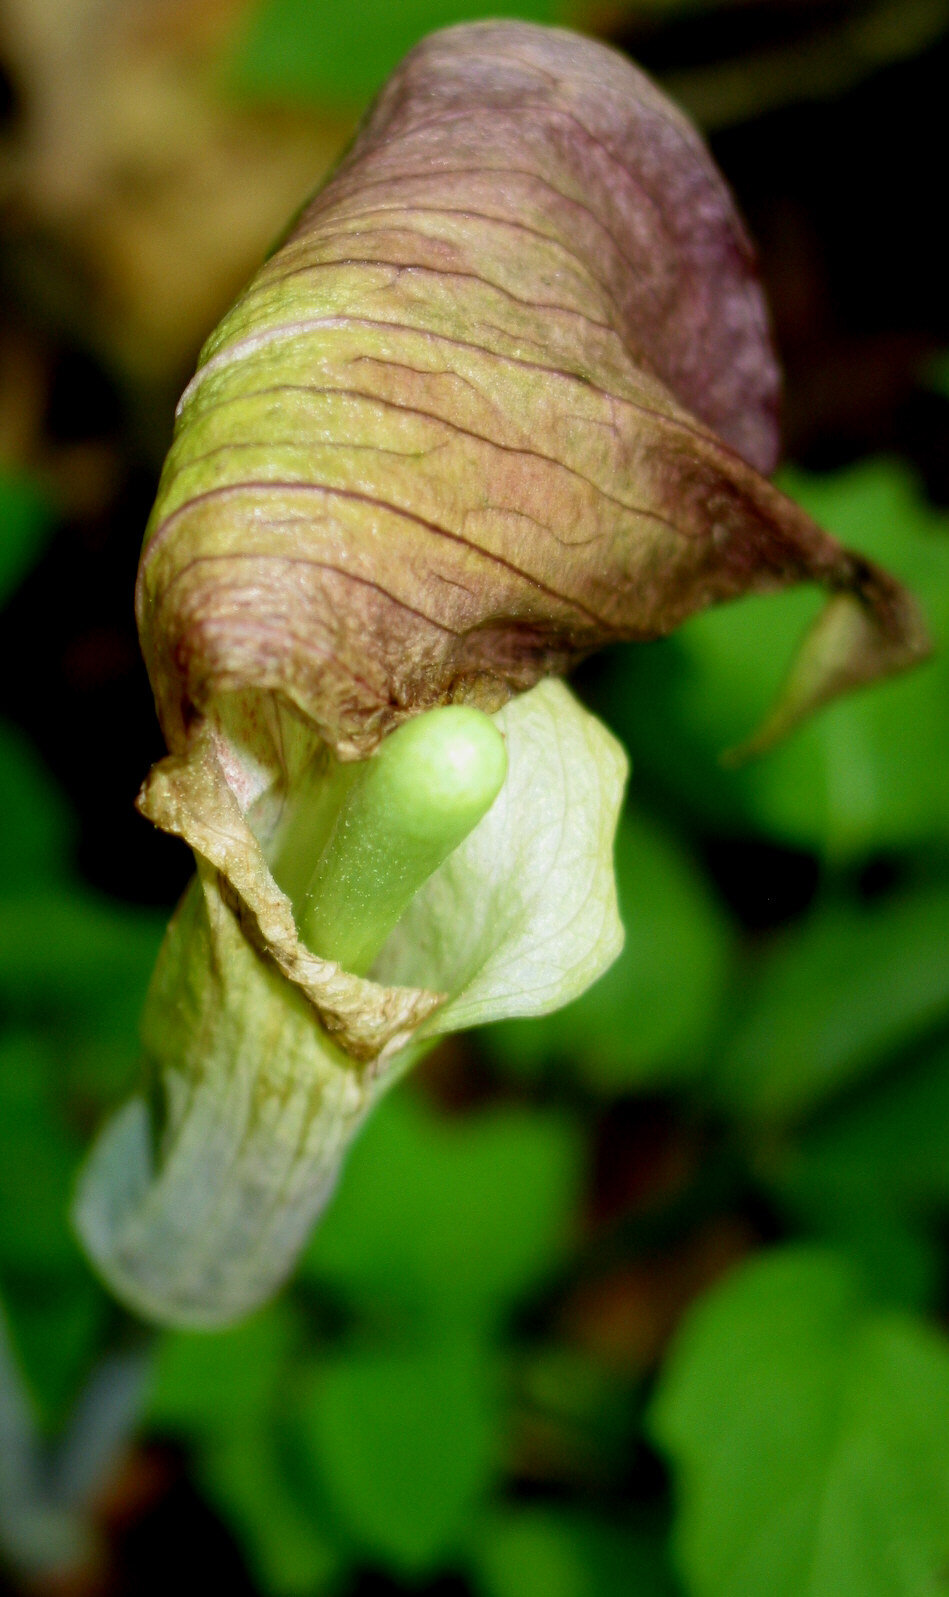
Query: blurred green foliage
(26, 519)
(506, 1181)
(835, 998)
(873, 1177)
(546, 1552)
(309, 50)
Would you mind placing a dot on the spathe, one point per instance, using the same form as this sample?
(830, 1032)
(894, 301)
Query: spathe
(502, 396)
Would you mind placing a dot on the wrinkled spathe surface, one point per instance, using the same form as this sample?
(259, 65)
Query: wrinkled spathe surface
(502, 396)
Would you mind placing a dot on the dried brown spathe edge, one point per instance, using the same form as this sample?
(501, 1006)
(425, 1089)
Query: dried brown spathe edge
(190, 797)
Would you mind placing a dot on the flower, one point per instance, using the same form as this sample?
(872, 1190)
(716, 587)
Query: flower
(504, 394)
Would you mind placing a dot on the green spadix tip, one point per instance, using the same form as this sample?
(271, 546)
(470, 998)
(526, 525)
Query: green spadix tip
(442, 772)
(405, 811)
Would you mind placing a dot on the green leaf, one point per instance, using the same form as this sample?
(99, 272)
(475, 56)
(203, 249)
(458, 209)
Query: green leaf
(309, 49)
(578, 1407)
(899, 1130)
(834, 998)
(450, 1218)
(861, 776)
(649, 1018)
(77, 967)
(809, 1435)
(37, 1535)
(37, 833)
(224, 1392)
(58, 1321)
(26, 519)
(522, 917)
(873, 1177)
(546, 1552)
(899, 1256)
(936, 373)
(54, 1305)
(248, 1480)
(66, 951)
(38, 1161)
(215, 1383)
(401, 1444)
